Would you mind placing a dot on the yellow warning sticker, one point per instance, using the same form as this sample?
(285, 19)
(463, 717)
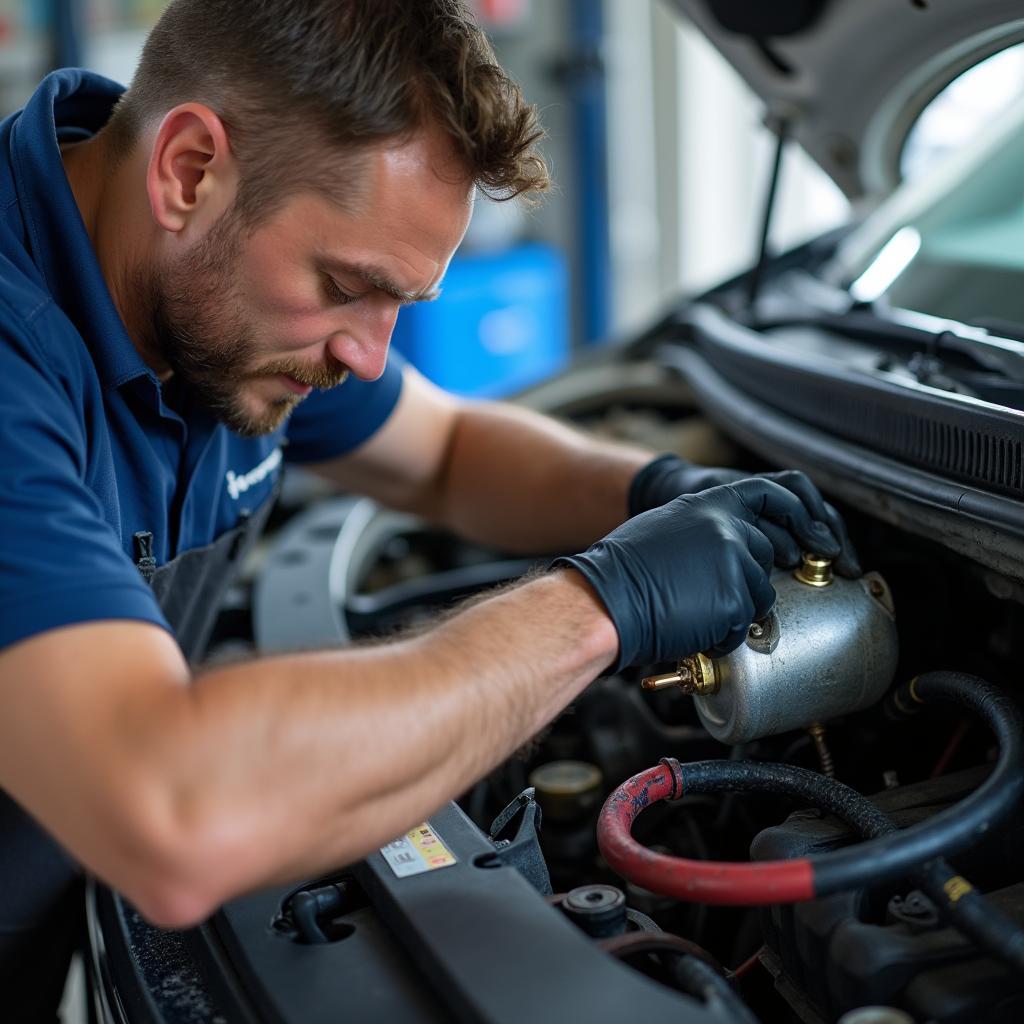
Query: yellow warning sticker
(419, 850)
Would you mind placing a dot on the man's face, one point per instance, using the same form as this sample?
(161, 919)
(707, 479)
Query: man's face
(254, 319)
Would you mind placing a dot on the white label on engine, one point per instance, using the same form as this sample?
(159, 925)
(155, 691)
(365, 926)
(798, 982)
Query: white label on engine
(419, 850)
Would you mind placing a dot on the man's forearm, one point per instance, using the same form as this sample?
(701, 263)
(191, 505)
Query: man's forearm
(524, 482)
(284, 777)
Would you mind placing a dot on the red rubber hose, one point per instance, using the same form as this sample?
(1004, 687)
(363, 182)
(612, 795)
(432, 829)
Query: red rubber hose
(694, 881)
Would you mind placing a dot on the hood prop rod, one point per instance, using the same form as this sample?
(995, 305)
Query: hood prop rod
(780, 128)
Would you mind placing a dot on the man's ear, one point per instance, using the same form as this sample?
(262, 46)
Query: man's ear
(192, 177)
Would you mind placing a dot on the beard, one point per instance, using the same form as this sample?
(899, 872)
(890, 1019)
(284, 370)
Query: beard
(197, 326)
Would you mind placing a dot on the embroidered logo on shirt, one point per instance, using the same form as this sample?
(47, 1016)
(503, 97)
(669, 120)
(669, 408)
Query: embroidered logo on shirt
(238, 485)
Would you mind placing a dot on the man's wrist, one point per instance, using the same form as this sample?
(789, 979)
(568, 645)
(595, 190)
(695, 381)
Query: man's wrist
(599, 639)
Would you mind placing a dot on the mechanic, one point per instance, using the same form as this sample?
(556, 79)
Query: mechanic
(199, 280)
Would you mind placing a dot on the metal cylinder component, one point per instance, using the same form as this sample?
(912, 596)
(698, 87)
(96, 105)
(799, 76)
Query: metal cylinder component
(825, 650)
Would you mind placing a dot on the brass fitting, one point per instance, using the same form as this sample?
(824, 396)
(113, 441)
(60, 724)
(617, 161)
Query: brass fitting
(695, 675)
(814, 570)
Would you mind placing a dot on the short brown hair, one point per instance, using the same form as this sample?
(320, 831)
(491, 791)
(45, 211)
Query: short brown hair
(289, 77)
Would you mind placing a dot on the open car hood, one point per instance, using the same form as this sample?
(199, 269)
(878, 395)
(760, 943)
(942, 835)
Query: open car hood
(849, 77)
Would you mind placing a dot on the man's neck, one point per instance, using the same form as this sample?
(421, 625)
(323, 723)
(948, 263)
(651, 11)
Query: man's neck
(111, 198)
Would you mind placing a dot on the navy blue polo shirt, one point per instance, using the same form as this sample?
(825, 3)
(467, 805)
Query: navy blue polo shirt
(92, 453)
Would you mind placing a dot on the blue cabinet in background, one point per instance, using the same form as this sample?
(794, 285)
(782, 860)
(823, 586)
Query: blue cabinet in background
(500, 324)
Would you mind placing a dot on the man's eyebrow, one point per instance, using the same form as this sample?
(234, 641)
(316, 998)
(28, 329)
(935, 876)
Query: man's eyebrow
(379, 280)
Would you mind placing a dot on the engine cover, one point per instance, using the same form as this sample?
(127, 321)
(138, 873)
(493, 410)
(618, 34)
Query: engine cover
(466, 938)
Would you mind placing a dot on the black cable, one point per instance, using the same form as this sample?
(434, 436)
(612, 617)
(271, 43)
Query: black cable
(693, 969)
(698, 978)
(969, 912)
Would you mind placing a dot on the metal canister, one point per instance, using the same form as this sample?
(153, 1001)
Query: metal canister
(829, 647)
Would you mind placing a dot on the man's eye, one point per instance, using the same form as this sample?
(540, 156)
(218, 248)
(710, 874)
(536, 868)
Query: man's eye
(335, 294)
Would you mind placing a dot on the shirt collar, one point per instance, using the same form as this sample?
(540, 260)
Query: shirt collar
(67, 103)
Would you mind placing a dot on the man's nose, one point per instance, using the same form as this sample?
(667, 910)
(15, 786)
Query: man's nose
(363, 347)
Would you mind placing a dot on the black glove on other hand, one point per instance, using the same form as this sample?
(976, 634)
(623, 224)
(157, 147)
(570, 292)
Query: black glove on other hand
(692, 575)
(668, 476)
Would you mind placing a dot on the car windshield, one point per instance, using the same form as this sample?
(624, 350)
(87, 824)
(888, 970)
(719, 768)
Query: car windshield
(952, 244)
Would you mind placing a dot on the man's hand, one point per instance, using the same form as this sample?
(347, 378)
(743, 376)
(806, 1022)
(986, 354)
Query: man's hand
(668, 476)
(693, 574)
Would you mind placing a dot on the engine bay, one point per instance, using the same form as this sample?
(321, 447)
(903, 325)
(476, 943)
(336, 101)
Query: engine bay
(522, 914)
(506, 905)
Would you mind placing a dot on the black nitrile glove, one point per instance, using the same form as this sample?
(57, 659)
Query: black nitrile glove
(668, 476)
(692, 575)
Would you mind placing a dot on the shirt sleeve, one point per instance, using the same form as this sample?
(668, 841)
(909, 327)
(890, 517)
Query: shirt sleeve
(61, 560)
(333, 423)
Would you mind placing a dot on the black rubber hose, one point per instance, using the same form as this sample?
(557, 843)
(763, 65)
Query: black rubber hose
(888, 855)
(956, 828)
(962, 904)
(787, 780)
(304, 914)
